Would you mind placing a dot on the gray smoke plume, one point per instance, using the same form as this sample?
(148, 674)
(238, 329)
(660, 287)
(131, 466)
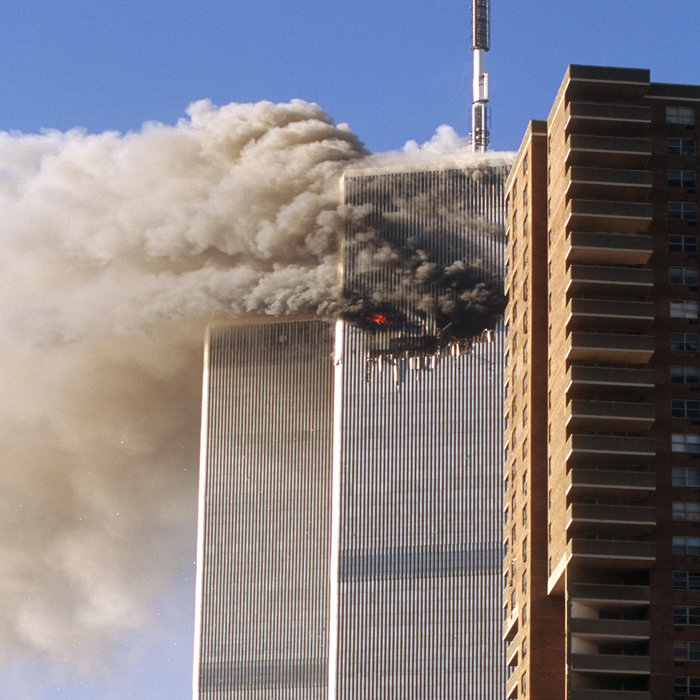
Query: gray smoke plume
(117, 250)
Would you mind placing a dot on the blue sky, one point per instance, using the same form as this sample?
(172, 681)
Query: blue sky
(393, 70)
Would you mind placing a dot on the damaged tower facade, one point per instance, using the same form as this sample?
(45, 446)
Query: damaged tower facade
(416, 590)
(602, 573)
(350, 529)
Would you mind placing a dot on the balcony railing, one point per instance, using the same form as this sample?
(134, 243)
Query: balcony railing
(600, 694)
(616, 348)
(609, 248)
(612, 281)
(614, 518)
(609, 313)
(608, 594)
(593, 117)
(620, 380)
(586, 482)
(590, 183)
(602, 215)
(610, 663)
(609, 415)
(612, 554)
(602, 630)
(584, 149)
(510, 626)
(587, 447)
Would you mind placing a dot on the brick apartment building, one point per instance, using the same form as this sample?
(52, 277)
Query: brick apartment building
(602, 437)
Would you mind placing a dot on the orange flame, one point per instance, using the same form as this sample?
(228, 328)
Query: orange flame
(377, 319)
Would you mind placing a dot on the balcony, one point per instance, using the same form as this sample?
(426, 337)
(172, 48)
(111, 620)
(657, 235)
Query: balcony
(512, 685)
(592, 482)
(610, 663)
(607, 151)
(614, 314)
(609, 595)
(592, 117)
(582, 414)
(590, 183)
(584, 517)
(602, 380)
(611, 554)
(619, 448)
(603, 631)
(614, 348)
(510, 626)
(611, 281)
(609, 248)
(602, 215)
(600, 694)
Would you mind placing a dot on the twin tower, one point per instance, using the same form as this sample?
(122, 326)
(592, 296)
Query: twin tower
(350, 515)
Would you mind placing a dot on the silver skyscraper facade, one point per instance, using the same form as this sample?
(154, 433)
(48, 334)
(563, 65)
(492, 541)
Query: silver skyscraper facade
(261, 626)
(350, 530)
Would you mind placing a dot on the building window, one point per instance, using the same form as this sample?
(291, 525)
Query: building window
(680, 147)
(525, 195)
(684, 308)
(525, 351)
(525, 482)
(680, 115)
(525, 516)
(687, 211)
(686, 512)
(525, 415)
(523, 649)
(686, 546)
(686, 685)
(525, 164)
(685, 342)
(686, 651)
(523, 582)
(525, 322)
(683, 275)
(685, 581)
(524, 614)
(681, 178)
(525, 383)
(524, 550)
(685, 442)
(686, 615)
(682, 408)
(685, 476)
(683, 244)
(685, 375)
(525, 448)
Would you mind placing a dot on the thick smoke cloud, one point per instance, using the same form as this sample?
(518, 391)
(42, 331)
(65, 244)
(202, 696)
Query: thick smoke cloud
(117, 250)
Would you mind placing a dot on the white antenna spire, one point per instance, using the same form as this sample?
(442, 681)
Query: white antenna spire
(481, 30)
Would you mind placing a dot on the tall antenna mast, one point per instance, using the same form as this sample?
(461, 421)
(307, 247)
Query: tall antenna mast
(481, 30)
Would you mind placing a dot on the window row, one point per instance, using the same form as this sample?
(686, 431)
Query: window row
(686, 685)
(686, 615)
(685, 442)
(685, 581)
(686, 546)
(685, 476)
(685, 342)
(683, 275)
(686, 211)
(685, 511)
(681, 178)
(685, 308)
(680, 115)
